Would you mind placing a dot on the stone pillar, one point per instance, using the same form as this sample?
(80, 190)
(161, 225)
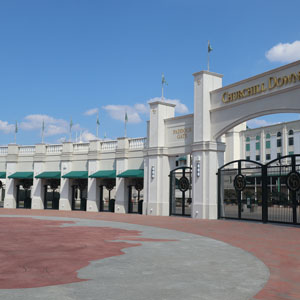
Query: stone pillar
(65, 201)
(93, 200)
(38, 167)
(10, 200)
(262, 146)
(208, 154)
(157, 166)
(284, 141)
(121, 204)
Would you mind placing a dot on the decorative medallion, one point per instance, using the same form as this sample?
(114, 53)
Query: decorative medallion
(239, 182)
(110, 184)
(293, 181)
(183, 184)
(139, 186)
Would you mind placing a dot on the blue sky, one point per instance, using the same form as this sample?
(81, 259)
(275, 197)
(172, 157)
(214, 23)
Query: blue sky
(62, 59)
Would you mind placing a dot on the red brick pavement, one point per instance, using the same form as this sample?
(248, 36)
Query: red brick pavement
(277, 246)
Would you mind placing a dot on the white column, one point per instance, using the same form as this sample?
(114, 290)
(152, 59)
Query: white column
(284, 141)
(262, 146)
(157, 166)
(65, 201)
(273, 146)
(93, 201)
(206, 151)
(121, 204)
(37, 193)
(10, 200)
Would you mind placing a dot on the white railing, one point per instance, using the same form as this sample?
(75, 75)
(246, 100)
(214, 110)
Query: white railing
(137, 143)
(54, 148)
(26, 149)
(109, 146)
(81, 147)
(3, 150)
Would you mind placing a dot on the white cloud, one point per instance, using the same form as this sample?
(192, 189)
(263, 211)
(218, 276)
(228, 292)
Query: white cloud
(6, 128)
(86, 136)
(284, 53)
(117, 112)
(180, 107)
(52, 126)
(91, 112)
(258, 123)
(134, 113)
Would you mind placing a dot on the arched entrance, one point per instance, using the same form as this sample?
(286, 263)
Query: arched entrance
(181, 191)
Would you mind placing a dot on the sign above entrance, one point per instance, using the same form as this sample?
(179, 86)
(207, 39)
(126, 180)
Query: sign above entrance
(272, 83)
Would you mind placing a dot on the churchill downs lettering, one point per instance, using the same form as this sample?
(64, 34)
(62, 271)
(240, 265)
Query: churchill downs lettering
(182, 132)
(272, 83)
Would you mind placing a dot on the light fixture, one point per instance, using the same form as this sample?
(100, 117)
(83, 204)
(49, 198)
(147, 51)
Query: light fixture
(152, 172)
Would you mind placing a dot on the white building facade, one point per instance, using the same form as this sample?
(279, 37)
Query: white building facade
(173, 169)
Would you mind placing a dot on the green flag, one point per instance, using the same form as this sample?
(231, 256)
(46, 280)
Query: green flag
(163, 79)
(43, 126)
(71, 124)
(98, 122)
(126, 117)
(209, 47)
(16, 127)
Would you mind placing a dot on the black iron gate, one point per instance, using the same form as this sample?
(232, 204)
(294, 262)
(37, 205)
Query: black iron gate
(252, 191)
(181, 191)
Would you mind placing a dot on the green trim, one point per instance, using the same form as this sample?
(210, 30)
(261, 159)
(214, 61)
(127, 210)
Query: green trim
(49, 175)
(104, 174)
(138, 173)
(22, 175)
(2, 175)
(182, 158)
(76, 174)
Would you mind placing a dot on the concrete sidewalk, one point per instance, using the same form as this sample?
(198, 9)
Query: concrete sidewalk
(200, 267)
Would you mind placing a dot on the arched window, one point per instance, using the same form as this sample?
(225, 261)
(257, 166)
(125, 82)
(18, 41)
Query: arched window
(291, 132)
(268, 136)
(248, 139)
(278, 134)
(257, 137)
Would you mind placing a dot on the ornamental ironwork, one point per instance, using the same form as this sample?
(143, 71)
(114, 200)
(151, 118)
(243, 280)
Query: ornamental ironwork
(293, 181)
(239, 182)
(183, 184)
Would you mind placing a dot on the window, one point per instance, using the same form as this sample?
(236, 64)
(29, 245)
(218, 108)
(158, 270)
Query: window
(257, 145)
(291, 152)
(291, 132)
(278, 142)
(257, 137)
(268, 136)
(268, 156)
(257, 157)
(268, 144)
(247, 139)
(247, 147)
(278, 155)
(291, 141)
(248, 157)
(278, 134)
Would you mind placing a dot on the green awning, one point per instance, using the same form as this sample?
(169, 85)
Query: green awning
(76, 174)
(49, 175)
(22, 175)
(2, 174)
(104, 174)
(139, 173)
(182, 158)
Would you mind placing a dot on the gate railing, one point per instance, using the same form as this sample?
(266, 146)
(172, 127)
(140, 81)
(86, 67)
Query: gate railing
(273, 189)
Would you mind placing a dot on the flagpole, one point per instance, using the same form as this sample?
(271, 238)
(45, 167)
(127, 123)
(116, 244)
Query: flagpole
(16, 130)
(43, 128)
(97, 126)
(125, 129)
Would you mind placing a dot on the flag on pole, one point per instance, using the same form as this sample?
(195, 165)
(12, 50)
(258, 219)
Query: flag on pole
(126, 120)
(209, 48)
(163, 82)
(71, 125)
(43, 129)
(98, 123)
(16, 130)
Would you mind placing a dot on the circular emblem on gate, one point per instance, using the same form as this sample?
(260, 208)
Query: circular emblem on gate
(183, 184)
(239, 182)
(293, 181)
